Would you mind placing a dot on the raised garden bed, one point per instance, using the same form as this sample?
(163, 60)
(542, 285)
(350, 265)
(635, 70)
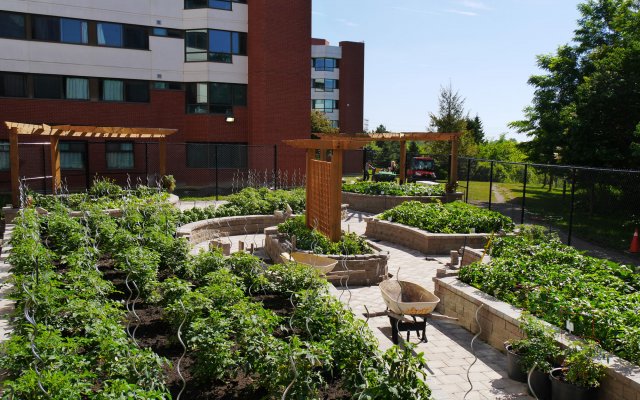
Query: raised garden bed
(209, 229)
(363, 261)
(436, 228)
(109, 296)
(376, 197)
(500, 322)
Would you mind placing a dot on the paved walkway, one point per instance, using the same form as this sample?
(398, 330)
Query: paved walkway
(448, 351)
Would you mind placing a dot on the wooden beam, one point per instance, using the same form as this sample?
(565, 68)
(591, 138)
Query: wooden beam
(311, 155)
(343, 144)
(14, 156)
(453, 174)
(56, 179)
(335, 202)
(403, 161)
(163, 157)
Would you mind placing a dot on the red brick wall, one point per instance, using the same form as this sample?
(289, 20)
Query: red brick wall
(279, 77)
(319, 42)
(351, 87)
(165, 110)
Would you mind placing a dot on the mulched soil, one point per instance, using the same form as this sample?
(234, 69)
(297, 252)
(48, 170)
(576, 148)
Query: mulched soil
(155, 333)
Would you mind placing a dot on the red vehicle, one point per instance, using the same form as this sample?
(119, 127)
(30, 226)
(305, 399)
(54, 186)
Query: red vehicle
(421, 169)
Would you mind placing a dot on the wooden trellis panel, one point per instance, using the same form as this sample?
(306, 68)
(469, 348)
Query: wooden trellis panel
(319, 189)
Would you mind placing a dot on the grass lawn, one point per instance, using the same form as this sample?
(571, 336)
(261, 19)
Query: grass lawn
(550, 207)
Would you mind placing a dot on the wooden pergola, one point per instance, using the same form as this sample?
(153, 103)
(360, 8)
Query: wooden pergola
(324, 178)
(55, 132)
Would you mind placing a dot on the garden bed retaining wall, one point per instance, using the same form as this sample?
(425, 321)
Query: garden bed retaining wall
(380, 203)
(499, 323)
(374, 265)
(208, 229)
(417, 239)
(10, 213)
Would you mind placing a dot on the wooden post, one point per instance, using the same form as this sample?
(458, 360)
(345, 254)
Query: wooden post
(335, 202)
(403, 161)
(56, 179)
(453, 174)
(311, 155)
(323, 154)
(163, 156)
(14, 155)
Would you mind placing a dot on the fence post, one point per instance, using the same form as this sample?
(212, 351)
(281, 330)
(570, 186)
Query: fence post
(573, 194)
(275, 166)
(87, 166)
(216, 154)
(466, 195)
(490, 184)
(146, 161)
(524, 194)
(364, 164)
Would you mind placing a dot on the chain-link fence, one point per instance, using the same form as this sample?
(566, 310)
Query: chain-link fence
(580, 203)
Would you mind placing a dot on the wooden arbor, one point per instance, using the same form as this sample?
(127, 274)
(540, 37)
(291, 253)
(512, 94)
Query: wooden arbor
(324, 178)
(54, 132)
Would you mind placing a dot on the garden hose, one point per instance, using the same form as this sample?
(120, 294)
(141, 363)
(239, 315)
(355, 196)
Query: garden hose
(475, 359)
(529, 381)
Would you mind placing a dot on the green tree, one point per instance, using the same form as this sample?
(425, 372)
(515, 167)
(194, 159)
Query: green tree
(451, 117)
(586, 106)
(385, 152)
(321, 124)
(474, 125)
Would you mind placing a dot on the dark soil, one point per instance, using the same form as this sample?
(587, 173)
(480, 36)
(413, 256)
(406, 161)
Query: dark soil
(157, 334)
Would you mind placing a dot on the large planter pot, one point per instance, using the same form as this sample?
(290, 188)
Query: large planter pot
(514, 370)
(561, 390)
(541, 384)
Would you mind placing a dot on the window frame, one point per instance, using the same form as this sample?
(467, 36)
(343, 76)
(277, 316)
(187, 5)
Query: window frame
(212, 152)
(25, 88)
(237, 46)
(109, 143)
(208, 4)
(24, 25)
(83, 153)
(237, 92)
(127, 85)
(323, 60)
(325, 109)
(61, 88)
(5, 151)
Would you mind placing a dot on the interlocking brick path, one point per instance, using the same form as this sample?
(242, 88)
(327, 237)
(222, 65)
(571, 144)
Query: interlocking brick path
(448, 350)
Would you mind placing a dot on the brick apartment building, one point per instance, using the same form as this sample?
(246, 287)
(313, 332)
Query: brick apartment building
(191, 65)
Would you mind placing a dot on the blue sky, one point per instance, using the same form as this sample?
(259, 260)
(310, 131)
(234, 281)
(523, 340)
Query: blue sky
(486, 48)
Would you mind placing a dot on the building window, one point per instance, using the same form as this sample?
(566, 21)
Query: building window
(326, 106)
(214, 45)
(324, 64)
(214, 97)
(46, 28)
(203, 155)
(218, 4)
(12, 25)
(325, 85)
(13, 85)
(5, 161)
(109, 34)
(164, 32)
(74, 31)
(158, 85)
(47, 87)
(73, 155)
(131, 91)
(136, 37)
(77, 88)
(119, 155)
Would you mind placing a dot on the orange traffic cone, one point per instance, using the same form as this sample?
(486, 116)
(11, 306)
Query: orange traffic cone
(635, 243)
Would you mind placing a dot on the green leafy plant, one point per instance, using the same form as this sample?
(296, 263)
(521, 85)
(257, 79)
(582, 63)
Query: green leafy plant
(311, 239)
(393, 189)
(580, 366)
(456, 217)
(539, 347)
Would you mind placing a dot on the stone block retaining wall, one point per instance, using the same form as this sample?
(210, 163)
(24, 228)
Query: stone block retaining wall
(499, 322)
(374, 265)
(425, 242)
(208, 229)
(380, 203)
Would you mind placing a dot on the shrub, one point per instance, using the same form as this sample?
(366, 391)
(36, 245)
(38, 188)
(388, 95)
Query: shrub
(311, 239)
